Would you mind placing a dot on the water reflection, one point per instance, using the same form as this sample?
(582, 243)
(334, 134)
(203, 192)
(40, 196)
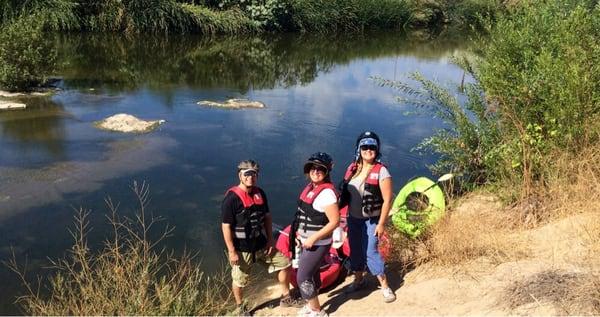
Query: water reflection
(40, 128)
(117, 63)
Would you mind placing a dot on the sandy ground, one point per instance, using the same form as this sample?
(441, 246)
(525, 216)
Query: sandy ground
(554, 278)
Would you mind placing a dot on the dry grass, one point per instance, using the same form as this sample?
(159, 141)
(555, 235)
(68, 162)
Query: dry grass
(129, 276)
(476, 227)
(462, 236)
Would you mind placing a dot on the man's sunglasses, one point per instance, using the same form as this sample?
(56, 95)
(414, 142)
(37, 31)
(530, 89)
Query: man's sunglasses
(371, 147)
(250, 173)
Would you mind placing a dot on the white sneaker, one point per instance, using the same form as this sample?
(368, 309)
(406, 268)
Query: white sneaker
(304, 311)
(308, 312)
(388, 295)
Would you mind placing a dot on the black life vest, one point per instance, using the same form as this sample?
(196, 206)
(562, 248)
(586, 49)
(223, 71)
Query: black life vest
(308, 220)
(372, 199)
(249, 231)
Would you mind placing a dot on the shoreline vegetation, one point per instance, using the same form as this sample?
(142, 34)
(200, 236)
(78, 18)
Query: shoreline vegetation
(27, 58)
(528, 132)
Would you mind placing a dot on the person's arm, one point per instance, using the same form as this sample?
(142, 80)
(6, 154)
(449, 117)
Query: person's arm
(268, 223)
(333, 215)
(386, 192)
(227, 217)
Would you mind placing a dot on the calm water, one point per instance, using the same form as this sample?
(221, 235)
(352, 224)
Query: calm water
(318, 98)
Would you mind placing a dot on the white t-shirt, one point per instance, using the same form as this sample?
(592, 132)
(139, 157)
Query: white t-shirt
(326, 198)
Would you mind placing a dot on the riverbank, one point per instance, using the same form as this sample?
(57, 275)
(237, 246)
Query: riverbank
(547, 269)
(239, 16)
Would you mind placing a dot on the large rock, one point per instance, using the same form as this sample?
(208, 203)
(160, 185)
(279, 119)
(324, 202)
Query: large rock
(233, 104)
(38, 92)
(10, 105)
(127, 123)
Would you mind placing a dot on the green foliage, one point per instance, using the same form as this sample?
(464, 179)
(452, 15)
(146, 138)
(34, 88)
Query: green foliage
(52, 14)
(538, 90)
(265, 14)
(26, 57)
(458, 13)
(155, 16)
(541, 66)
(468, 144)
(347, 15)
(208, 21)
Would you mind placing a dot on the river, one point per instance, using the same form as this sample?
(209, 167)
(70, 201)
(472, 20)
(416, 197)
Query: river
(318, 95)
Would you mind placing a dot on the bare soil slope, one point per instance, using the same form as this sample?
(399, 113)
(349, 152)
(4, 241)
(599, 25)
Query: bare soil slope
(552, 269)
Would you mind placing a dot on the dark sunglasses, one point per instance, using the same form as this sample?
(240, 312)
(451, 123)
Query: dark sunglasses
(318, 168)
(368, 147)
(250, 173)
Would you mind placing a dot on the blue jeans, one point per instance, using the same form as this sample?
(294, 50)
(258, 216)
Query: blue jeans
(363, 246)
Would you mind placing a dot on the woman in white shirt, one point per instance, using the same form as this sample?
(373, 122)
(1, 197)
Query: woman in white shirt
(316, 218)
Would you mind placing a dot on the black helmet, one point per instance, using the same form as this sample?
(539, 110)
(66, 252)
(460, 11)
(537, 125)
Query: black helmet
(319, 158)
(367, 137)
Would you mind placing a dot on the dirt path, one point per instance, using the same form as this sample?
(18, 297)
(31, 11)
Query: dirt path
(556, 277)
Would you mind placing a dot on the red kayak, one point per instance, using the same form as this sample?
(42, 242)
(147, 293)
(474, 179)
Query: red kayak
(331, 266)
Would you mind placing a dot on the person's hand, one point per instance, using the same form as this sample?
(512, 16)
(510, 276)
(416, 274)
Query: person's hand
(270, 247)
(308, 243)
(379, 229)
(234, 258)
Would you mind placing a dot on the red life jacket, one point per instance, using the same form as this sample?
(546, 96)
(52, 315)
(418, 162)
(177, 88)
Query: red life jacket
(372, 199)
(249, 232)
(307, 220)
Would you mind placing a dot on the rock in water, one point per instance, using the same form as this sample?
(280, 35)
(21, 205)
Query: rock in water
(9, 105)
(233, 104)
(127, 123)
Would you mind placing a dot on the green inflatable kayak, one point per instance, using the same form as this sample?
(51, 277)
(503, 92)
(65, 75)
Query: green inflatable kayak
(419, 204)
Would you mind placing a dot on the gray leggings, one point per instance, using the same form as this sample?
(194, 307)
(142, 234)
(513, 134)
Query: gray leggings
(308, 275)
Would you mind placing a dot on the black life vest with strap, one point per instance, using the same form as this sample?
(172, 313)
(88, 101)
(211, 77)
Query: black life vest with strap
(249, 231)
(372, 199)
(307, 219)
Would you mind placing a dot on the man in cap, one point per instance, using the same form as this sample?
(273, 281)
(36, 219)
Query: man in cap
(247, 231)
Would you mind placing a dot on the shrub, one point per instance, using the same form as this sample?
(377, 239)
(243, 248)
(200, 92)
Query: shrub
(26, 56)
(53, 14)
(209, 21)
(128, 277)
(266, 14)
(541, 66)
(537, 90)
(347, 15)
(469, 143)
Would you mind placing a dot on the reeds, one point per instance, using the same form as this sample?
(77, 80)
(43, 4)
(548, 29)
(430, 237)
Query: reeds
(129, 276)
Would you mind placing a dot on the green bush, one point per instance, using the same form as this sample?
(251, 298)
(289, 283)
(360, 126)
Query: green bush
(347, 15)
(52, 14)
(537, 91)
(541, 68)
(26, 56)
(266, 14)
(468, 145)
(209, 21)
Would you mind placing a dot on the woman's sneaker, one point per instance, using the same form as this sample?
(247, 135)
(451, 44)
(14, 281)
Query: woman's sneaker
(308, 312)
(289, 301)
(388, 295)
(304, 311)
